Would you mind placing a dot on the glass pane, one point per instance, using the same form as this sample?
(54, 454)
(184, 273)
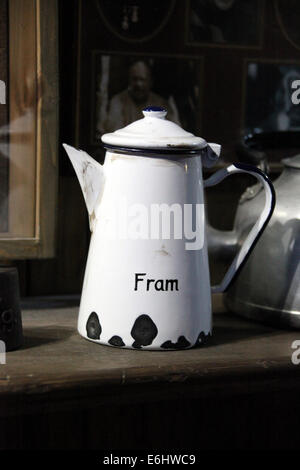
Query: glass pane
(18, 132)
(3, 119)
(269, 104)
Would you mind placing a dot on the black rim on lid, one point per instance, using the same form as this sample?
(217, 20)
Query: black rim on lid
(153, 151)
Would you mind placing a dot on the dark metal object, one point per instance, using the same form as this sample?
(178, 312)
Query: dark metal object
(10, 313)
(268, 287)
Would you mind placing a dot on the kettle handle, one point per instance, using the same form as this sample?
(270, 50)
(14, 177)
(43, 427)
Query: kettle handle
(259, 225)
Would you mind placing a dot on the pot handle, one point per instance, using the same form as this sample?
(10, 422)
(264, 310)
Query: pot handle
(258, 227)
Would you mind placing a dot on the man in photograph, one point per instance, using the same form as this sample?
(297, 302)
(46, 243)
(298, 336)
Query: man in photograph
(126, 106)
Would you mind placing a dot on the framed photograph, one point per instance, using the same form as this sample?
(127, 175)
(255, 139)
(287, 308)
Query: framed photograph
(225, 22)
(28, 128)
(134, 20)
(125, 84)
(288, 15)
(268, 102)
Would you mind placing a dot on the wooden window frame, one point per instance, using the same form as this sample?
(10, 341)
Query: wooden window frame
(33, 84)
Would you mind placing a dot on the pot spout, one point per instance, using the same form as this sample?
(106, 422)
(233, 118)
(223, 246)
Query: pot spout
(91, 178)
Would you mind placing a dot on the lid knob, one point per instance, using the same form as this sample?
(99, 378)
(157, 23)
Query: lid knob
(155, 112)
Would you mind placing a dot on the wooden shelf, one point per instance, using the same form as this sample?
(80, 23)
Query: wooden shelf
(56, 359)
(240, 390)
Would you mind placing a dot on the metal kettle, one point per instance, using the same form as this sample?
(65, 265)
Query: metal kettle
(268, 287)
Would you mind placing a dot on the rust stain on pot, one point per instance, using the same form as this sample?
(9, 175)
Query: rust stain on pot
(92, 219)
(168, 162)
(182, 145)
(163, 251)
(118, 156)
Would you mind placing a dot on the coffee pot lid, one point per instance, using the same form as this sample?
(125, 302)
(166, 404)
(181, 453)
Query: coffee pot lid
(154, 132)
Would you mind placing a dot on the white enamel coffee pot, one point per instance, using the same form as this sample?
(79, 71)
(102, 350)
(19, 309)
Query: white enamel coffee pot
(147, 283)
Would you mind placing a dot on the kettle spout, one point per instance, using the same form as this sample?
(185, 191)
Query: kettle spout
(223, 245)
(91, 178)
